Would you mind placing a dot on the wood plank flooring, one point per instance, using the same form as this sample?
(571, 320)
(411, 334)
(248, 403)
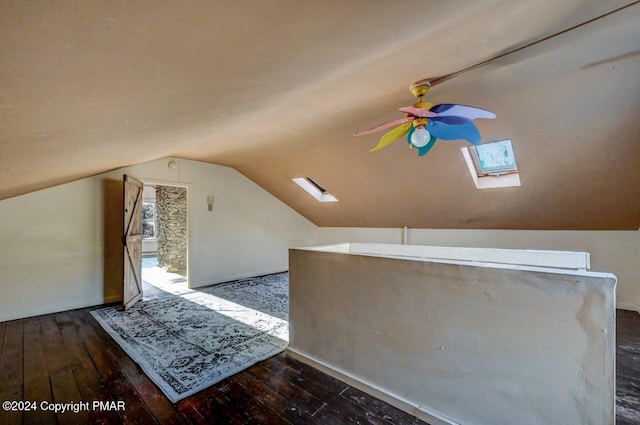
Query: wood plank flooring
(68, 357)
(627, 368)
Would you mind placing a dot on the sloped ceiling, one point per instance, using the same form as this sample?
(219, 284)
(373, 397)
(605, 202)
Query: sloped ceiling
(275, 89)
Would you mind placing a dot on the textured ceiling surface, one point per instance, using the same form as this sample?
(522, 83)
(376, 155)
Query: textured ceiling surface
(276, 89)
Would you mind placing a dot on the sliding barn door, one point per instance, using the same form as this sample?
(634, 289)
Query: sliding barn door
(132, 240)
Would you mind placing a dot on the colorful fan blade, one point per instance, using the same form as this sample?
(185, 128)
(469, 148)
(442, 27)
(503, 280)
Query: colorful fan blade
(384, 126)
(469, 112)
(392, 136)
(451, 120)
(418, 112)
(426, 148)
(464, 131)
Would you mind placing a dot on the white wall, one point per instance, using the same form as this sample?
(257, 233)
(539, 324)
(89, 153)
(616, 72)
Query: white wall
(50, 253)
(61, 246)
(474, 343)
(617, 252)
(55, 253)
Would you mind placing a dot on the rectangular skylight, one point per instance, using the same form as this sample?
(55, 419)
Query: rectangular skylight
(494, 158)
(492, 165)
(314, 189)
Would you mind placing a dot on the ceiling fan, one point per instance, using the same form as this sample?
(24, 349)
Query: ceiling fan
(425, 123)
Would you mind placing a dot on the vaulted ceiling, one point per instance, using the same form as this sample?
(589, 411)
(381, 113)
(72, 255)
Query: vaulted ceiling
(275, 89)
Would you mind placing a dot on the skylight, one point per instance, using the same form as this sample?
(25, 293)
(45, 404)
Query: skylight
(492, 164)
(314, 189)
(494, 158)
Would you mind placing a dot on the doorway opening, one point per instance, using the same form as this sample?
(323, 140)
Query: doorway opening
(164, 240)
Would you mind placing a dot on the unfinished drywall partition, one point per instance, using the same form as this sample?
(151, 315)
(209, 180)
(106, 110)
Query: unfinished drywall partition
(457, 342)
(617, 252)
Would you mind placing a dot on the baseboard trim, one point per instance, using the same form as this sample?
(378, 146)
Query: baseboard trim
(411, 408)
(231, 278)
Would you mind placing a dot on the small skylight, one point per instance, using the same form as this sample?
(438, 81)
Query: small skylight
(492, 164)
(494, 158)
(314, 189)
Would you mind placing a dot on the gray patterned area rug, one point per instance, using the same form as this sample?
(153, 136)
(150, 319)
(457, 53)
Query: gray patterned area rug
(188, 342)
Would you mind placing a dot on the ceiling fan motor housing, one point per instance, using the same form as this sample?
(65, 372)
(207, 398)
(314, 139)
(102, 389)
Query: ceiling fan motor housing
(420, 88)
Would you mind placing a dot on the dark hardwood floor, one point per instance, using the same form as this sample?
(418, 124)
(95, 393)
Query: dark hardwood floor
(68, 357)
(627, 368)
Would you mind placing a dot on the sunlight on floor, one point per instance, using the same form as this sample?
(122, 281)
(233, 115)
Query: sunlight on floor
(158, 283)
(259, 320)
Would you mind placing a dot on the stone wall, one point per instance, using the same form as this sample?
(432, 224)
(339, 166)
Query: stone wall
(171, 206)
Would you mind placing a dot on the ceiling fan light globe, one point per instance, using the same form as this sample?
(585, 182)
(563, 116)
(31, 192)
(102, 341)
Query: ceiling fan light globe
(420, 137)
